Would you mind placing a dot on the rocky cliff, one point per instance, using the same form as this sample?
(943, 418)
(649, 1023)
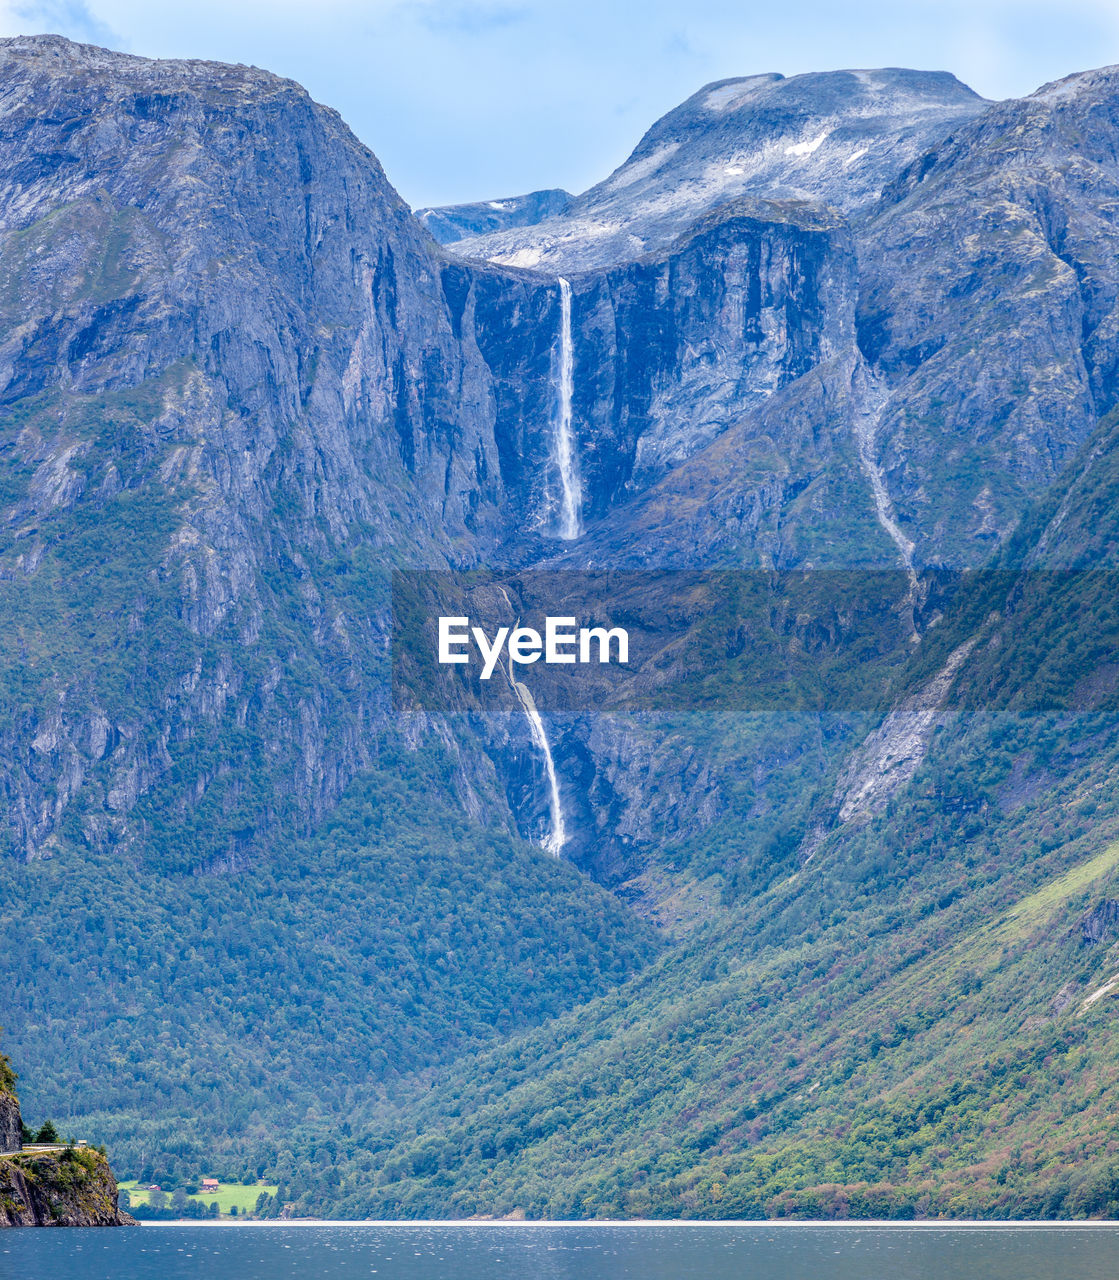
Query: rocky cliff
(235, 370)
(11, 1132)
(67, 1188)
(58, 1187)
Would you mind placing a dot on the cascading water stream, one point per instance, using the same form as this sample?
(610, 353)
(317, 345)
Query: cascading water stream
(557, 837)
(571, 490)
(570, 526)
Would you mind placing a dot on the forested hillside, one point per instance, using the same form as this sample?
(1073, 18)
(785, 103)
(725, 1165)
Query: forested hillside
(205, 1019)
(908, 1014)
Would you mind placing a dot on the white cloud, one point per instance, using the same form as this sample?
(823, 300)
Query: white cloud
(71, 18)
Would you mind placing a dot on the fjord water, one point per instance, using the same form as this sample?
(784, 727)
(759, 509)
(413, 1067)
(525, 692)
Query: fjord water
(344, 1251)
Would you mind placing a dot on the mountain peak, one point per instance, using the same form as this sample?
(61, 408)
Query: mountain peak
(1105, 79)
(831, 137)
(50, 55)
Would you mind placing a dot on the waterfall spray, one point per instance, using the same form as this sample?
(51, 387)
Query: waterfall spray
(571, 495)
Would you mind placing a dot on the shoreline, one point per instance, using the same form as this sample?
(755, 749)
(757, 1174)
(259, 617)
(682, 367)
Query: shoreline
(754, 1224)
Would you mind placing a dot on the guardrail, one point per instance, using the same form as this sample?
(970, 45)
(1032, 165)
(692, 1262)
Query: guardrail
(47, 1146)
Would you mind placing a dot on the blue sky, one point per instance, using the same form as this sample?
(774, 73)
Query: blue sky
(473, 99)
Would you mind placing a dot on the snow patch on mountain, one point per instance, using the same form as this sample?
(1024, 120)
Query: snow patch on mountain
(807, 148)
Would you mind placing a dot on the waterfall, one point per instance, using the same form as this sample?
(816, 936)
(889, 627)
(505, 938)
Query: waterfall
(571, 497)
(557, 837)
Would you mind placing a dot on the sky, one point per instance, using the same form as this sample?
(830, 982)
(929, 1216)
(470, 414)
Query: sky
(478, 99)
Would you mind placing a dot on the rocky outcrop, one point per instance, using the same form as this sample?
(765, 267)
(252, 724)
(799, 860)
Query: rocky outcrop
(1101, 924)
(51, 1186)
(11, 1130)
(65, 1188)
(892, 754)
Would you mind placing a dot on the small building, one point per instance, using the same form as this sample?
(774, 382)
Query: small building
(209, 1184)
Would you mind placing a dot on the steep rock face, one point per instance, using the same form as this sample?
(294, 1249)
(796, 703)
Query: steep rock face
(835, 138)
(237, 384)
(988, 311)
(509, 322)
(11, 1132)
(59, 1189)
(248, 233)
(669, 350)
(687, 365)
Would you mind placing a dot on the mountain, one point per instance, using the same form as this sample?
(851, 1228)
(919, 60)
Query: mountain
(817, 394)
(910, 1015)
(829, 137)
(236, 393)
(230, 368)
(455, 222)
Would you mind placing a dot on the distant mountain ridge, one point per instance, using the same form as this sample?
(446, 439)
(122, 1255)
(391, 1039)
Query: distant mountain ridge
(453, 222)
